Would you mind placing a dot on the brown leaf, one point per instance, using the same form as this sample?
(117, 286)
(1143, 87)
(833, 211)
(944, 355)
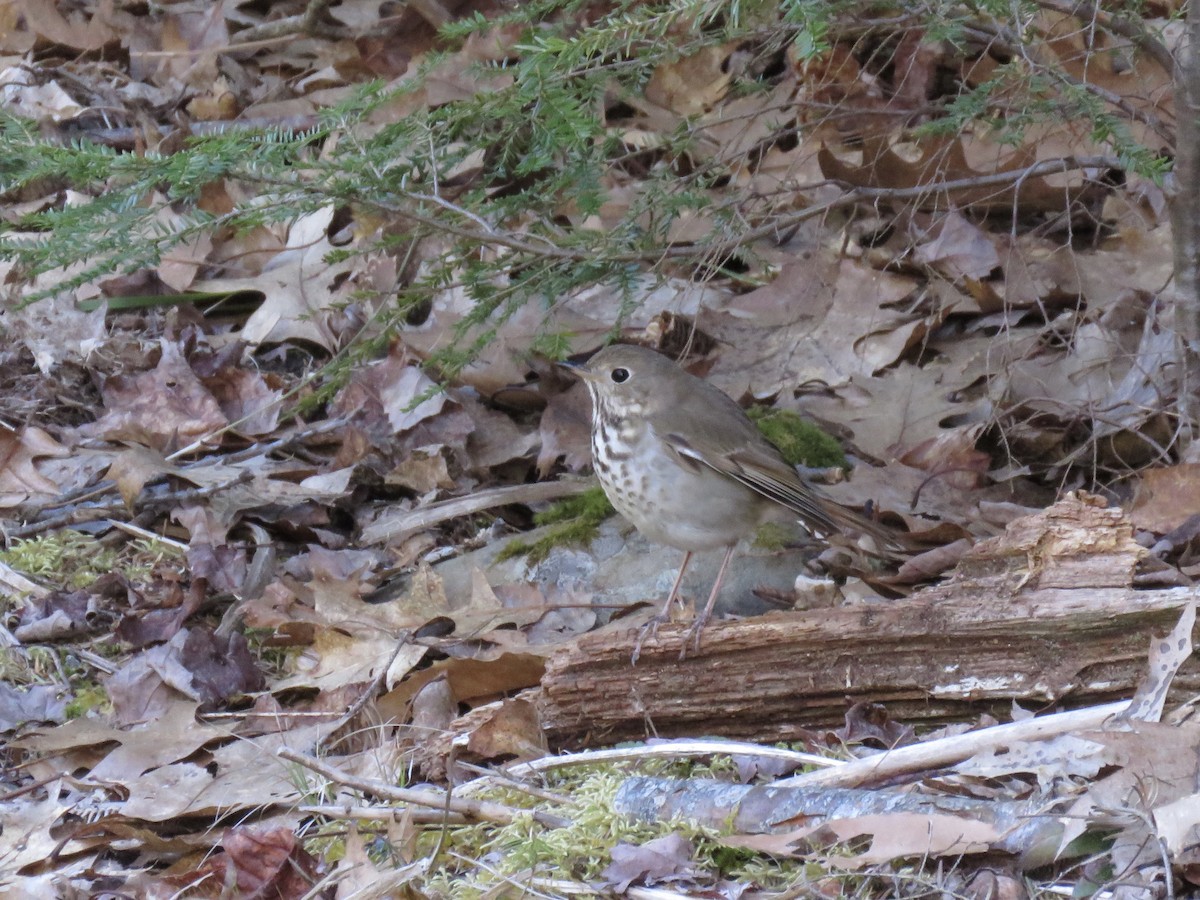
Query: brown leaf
(1166, 497)
(220, 564)
(300, 290)
(932, 161)
(664, 860)
(25, 96)
(55, 616)
(79, 33)
(165, 408)
(138, 692)
(511, 729)
(835, 78)
(915, 63)
(243, 394)
(870, 721)
(433, 709)
(270, 862)
(422, 473)
(823, 320)
(692, 84)
(951, 456)
(1178, 823)
(20, 479)
(174, 736)
(959, 248)
(28, 825)
(181, 264)
(195, 663)
(16, 36)
(155, 626)
(893, 836)
(495, 438)
(384, 398)
(471, 680)
(256, 862)
(191, 37)
(566, 431)
(132, 468)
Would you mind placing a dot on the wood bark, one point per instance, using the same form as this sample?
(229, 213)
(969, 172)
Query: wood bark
(1044, 615)
(769, 808)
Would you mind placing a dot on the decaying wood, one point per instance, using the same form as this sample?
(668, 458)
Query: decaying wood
(767, 808)
(796, 805)
(1044, 614)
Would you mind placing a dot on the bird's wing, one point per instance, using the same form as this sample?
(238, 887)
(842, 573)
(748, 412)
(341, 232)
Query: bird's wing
(764, 474)
(761, 469)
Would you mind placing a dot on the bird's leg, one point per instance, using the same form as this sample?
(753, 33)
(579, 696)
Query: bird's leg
(693, 635)
(664, 615)
(674, 595)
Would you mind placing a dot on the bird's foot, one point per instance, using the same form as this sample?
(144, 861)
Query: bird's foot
(649, 630)
(693, 634)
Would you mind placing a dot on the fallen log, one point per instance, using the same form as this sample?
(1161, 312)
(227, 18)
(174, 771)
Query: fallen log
(1044, 615)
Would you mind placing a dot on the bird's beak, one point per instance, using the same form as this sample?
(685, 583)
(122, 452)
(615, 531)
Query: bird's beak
(578, 369)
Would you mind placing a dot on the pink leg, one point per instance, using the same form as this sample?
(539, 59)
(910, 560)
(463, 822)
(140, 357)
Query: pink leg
(664, 615)
(687, 558)
(702, 619)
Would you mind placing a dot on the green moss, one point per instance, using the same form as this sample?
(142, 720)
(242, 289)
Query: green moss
(88, 698)
(801, 442)
(582, 850)
(66, 558)
(774, 536)
(277, 660)
(573, 522)
(591, 504)
(72, 560)
(330, 850)
(579, 851)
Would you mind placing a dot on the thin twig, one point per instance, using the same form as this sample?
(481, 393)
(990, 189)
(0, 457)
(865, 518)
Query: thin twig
(853, 196)
(382, 814)
(484, 810)
(682, 749)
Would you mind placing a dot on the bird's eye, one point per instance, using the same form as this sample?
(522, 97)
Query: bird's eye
(620, 376)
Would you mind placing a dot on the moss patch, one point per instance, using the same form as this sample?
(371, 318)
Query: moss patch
(88, 698)
(72, 560)
(774, 536)
(572, 522)
(801, 442)
(582, 850)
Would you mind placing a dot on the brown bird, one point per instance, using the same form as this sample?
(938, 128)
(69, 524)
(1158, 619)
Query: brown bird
(681, 461)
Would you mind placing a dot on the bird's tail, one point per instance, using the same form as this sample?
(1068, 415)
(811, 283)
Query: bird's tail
(889, 543)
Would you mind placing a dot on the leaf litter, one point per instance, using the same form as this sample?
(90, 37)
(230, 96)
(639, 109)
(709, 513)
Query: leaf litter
(274, 681)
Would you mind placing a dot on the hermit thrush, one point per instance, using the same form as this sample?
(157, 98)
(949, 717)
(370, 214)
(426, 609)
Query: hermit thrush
(682, 462)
